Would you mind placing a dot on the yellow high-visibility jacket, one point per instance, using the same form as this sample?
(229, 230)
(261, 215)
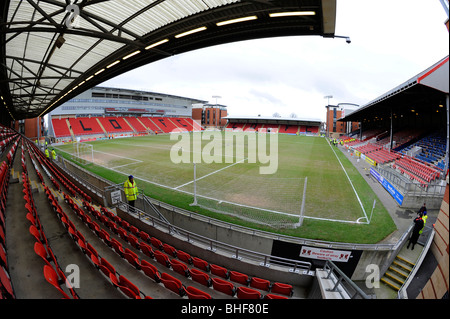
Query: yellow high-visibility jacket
(47, 154)
(130, 190)
(425, 217)
(53, 154)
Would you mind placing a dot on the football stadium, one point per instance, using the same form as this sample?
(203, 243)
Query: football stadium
(114, 193)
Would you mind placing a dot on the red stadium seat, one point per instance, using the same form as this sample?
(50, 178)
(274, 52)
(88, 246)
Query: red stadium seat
(283, 289)
(126, 286)
(248, 293)
(272, 296)
(239, 278)
(180, 267)
(223, 286)
(261, 284)
(147, 250)
(169, 250)
(107, 268)
(132, 258)
(200, 263)
(156, 243)
(219, 271)
(51, 276)
(194, 293)
(200, 277)
(173, 284)
(144, 236)
(162, 258)
(117, 247)
(184, 257)
(150, 270)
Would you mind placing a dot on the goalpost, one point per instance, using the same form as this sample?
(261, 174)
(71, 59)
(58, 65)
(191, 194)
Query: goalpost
(82, 152)
(277, 203)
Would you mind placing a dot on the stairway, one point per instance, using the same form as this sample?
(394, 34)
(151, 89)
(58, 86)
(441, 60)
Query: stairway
(397, 273)
(101, 125)
(70, 129)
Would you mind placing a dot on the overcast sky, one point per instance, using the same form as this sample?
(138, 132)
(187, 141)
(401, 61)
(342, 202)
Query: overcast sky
(391, 41)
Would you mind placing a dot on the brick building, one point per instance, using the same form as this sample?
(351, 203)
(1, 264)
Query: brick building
(336, 128)
(210, 115)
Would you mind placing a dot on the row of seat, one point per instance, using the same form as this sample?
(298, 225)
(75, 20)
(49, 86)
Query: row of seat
(6, 287)
(52, 271)
(416, 170)
(131, 234)
(383, 156)
(368, 148)
(54, 172)
(179, 260)
(288, 129)
(6, 138)
(433, 148)
(112, 125)
(118, 281)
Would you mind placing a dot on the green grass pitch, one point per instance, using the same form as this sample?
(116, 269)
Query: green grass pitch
(336, 194)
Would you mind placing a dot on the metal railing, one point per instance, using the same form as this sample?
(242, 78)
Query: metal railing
(402, 293)
(408, 187)
(342, 284)
(238, 253)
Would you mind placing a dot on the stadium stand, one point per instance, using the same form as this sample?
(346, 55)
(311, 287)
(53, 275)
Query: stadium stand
(183, 124)
(85, 126)
(421, 172)
(60, 127)
(165, 124)
(272, 127)
(289, 129)
(115, 125)
(431, 149)
(150, 125)
(136, 124)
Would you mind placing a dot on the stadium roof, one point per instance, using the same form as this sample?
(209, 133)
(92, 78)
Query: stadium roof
(52, 50)
(307, 121)
(420, 93)
(141, 92)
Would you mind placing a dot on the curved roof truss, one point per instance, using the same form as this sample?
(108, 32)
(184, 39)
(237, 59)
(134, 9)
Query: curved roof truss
(52, 50)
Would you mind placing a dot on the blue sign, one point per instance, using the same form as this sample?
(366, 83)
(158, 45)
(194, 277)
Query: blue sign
(388, 186)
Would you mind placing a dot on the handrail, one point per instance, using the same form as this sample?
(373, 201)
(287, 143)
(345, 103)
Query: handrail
(301, 241)
(239, 253)
(266, 234)
(341, 280)
(402, 294)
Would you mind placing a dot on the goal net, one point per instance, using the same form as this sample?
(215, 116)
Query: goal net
(83, 153)
(269, 201)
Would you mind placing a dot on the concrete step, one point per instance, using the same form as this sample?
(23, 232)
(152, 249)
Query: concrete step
(394, 278)
(389, 283)
(398, 272)
(402, 266)
(405, 261)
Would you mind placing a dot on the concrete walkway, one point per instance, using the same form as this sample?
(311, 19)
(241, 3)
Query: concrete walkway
(403, 219)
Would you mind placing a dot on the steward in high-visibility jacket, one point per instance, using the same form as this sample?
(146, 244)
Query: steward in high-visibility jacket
(131, 190)
(425, 217)
(47, 154)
